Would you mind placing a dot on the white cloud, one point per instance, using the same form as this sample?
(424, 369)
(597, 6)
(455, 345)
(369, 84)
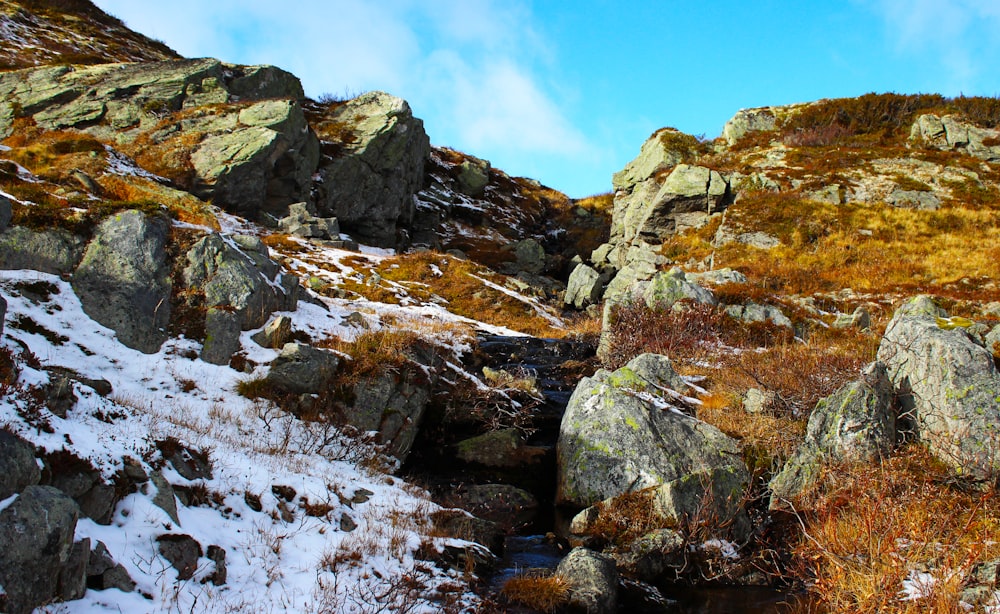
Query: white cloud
(472, 69)
(957, 36)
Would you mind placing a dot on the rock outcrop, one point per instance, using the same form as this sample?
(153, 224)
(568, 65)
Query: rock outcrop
(368, 185)
(123, 280)
(948, 387)
(952, 132)
(623, 432)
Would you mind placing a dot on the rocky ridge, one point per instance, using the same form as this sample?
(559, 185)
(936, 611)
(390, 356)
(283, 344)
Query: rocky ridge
(742, 249)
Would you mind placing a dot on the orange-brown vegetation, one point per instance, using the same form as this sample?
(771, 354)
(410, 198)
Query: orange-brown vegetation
(867, 528)
(543, 593)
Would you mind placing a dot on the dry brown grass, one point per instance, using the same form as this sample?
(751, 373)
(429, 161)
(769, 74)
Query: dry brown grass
(374, 351)
(183, 206)
(417, 275)
(870, 527)
(822, 250)
(544, 593)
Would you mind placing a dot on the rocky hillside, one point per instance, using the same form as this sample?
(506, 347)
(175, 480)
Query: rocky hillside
(241, 325)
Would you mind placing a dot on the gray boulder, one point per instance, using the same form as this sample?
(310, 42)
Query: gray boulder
(952, 132)
(752, 312)
(860, 318)
(182, 551)
(748, 120)
(855, 423)
(948, 387)
(123, 281)
(104, 573)
(585, 287)
(624, 432)
(18, 468)
(37, 533)
(529, 256)
(499, 448)
(592, 579)
(50, 251)
(685, 199)
(914, 199)
(473, 177)
(303, 369)
(392, 403)
(668, 287)
(239, 286)
(369, 186)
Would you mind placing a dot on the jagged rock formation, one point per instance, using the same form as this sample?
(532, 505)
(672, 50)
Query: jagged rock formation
(951, 132)
(369, 182)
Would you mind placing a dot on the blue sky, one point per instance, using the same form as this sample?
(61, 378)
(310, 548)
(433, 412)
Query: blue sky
(566, 92)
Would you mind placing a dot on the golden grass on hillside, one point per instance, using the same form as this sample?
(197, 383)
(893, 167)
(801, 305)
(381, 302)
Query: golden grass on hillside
(427, 275)
(870, 527)
(185, 207)
(900, 250)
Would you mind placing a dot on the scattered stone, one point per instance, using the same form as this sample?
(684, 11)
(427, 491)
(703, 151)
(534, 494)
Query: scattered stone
(752, 312)
(302, 221)
(860, 319)
(302, 369)
(669, 287)
(164, 497)
(217, 554)
(592, 579)
(182, 551)
(757, 401)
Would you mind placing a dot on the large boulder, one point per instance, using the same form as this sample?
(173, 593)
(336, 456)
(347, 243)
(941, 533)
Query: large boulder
(242, 289)
(948, 387)
(392, 403)
(655, 208)
(50, 251)
(592, 580)
(855, 423)
(623, 432)
(585, 287)
(264, 163)
(123, 280)
(37, 535)
(18, 468)
(369, 185)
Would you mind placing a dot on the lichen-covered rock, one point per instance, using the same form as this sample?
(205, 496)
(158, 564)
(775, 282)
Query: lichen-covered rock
(585, 287)
(50, 251)
(36, 531)
(127, 95)
(303, 369)
(239, 283)
(123, 280)
(668, 287)
(499, 448)
(951, 132)
(18, 468)
(948, 387)
(855, 423)
(623, 432)
(748, 120)
(369, 185)
(685, 199)
(592, 579)
(277, 332)
(752, 312)
(392, 403)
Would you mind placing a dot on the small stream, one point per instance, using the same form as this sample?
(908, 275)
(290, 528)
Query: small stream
(533, 546)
